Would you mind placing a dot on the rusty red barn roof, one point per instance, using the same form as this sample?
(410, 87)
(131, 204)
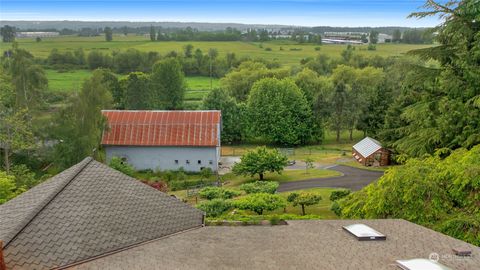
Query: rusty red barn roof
(162, 128)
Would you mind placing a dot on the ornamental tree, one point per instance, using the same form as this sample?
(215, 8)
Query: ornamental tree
(304, 199)
(260, 161)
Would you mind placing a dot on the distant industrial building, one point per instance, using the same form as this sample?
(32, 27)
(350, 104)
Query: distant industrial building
(36, 34)
(164, 140)
(345, 35)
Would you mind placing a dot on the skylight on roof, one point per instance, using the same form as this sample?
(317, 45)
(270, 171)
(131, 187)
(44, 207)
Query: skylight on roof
(421, 264)
(363, 232)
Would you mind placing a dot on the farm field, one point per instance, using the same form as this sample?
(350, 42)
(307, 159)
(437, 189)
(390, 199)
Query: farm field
(71, 81)
(286, 52)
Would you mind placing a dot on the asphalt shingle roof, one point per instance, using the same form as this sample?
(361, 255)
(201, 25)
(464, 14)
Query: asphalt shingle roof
(367, 146)
(84, 212)
(162, 128)
(303, 244)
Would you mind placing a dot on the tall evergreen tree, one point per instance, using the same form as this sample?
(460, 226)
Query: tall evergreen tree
(441, 106)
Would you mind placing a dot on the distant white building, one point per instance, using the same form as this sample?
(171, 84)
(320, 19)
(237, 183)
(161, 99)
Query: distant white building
(36, 34)
(384, 38)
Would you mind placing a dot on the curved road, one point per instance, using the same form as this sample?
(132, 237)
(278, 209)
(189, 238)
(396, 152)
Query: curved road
(352, 178)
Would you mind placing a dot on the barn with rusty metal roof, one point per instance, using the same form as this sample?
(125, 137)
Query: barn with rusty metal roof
(164, 140)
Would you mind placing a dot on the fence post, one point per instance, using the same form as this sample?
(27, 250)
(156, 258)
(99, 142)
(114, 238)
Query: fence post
(2, 260)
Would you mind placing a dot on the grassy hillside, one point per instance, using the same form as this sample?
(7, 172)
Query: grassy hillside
(286, 52)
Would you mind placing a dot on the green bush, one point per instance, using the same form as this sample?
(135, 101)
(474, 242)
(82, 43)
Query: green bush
(338, 194)
(122, 166)
(206, 173)
(215, 207)
(184, 184)
(260, 187)
(274, 220)
(466, 228)
(260, 202)
(211, 193)
(336, 208)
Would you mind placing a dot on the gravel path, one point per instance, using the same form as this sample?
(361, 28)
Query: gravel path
(352, 178)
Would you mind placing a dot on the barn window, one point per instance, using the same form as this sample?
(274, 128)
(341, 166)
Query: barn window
(210, 162)
(188, 161)
(176, 161)
(199, 162)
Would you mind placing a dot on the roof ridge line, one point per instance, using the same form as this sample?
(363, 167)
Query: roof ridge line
(19, 228)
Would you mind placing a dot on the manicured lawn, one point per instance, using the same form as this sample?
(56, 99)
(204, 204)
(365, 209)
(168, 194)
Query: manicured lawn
(233, 181)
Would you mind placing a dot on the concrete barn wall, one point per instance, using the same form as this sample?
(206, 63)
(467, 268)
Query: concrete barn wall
(163, 158)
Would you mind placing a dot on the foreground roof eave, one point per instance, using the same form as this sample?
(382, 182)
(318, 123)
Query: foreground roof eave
(28, 217)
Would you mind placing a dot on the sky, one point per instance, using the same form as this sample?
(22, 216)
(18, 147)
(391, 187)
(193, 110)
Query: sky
(285, 12)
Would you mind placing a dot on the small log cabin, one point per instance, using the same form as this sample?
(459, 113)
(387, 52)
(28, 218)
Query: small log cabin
(369, 152)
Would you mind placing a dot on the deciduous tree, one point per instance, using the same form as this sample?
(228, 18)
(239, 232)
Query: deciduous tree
(168, 82)
(80, 125)
(304, 199)
(279, 113)
(260, 161)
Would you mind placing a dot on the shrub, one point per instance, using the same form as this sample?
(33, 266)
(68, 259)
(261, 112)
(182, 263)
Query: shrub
(274, 220)
(260, 187)
(317, 48)
(211, 193)
(336, 208)
(184, 184)
(338, 194)
(24, 177)
(268, 49)
(260, 202)
(169, 175)
(215, 207)
(206, 173)
(122, 166)
(8, 189)
(372, 47)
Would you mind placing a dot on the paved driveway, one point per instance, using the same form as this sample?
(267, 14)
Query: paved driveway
(352, 178)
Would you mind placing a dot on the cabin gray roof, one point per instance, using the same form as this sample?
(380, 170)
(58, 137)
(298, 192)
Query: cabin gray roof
(303, 244)
(367, 146)
(86, 211)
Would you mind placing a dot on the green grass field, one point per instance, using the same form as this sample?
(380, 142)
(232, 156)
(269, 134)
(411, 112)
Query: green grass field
(280, 50)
